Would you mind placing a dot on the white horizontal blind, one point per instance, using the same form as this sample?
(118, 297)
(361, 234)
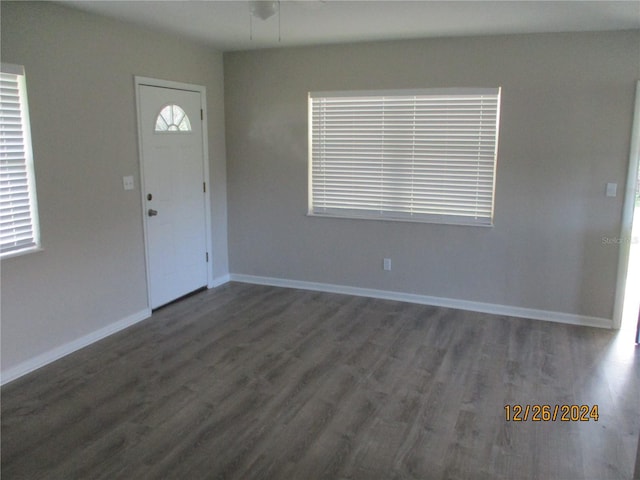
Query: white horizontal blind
(427, 155)
(18, 216)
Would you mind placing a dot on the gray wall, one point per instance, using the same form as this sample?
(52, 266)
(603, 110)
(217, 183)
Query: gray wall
(566, 121)
(80, 71)
(567, 105)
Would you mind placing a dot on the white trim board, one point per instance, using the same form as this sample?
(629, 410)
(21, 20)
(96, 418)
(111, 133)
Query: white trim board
(628, 210)
(54, 354)
(50, 356)
(495, 309)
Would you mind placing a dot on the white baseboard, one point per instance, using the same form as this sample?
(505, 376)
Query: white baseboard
(221, 280)
(496, 309)
(45, 358)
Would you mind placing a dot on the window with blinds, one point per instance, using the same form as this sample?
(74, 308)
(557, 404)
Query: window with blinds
(426, 155)
(18, 211)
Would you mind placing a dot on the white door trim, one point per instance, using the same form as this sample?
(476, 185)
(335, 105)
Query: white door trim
(627, 214)
(154, 82)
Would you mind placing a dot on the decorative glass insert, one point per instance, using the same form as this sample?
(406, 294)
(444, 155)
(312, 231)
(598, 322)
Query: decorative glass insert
(172, 118)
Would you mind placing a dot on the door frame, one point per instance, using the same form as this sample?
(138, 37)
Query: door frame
(628, 209)
(155, 82)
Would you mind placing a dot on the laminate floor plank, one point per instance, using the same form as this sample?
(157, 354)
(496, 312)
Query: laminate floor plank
(258, 382)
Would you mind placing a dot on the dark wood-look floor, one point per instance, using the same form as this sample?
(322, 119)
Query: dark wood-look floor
(255, 382)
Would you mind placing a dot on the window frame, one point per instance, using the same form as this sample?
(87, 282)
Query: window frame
(351, 210)
(34, 241)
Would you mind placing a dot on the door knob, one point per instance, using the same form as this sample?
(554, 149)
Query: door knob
(152, 212)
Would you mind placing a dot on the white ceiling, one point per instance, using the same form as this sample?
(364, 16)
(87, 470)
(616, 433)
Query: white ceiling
(226, 24)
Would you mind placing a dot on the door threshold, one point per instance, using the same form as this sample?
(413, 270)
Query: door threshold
(179, 299)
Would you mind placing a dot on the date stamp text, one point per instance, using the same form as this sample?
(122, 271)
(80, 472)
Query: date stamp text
(551, 413)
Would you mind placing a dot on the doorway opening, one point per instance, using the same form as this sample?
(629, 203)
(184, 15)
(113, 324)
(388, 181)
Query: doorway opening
(628, 295)
(173, 176)
(631, 308)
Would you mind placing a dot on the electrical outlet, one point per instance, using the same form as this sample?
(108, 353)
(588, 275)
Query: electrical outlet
(386, 264)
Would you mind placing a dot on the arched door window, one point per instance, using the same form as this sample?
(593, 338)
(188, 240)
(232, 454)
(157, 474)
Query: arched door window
(172, 118)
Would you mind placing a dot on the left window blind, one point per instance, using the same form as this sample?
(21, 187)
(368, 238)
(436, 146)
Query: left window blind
(19, 230)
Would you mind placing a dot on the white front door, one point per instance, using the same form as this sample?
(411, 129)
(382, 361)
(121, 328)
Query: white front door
(171, 138)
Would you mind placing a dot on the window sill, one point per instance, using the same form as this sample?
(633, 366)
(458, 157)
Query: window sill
(434, 221)
(19, 253)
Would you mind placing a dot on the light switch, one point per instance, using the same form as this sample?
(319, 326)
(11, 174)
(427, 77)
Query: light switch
(612, 189)
(128, 182)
